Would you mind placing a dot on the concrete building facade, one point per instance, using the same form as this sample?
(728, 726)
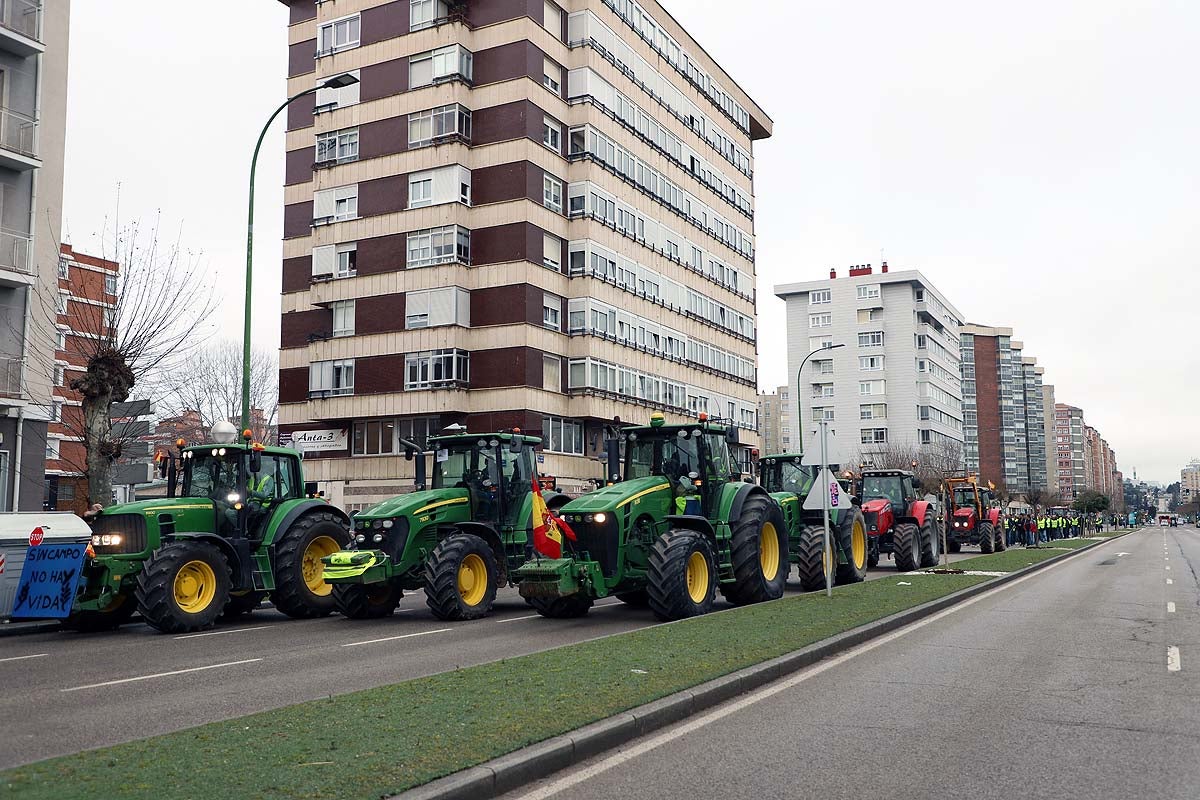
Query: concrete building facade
(1069, 451)
(33, 97)
(525, 214)
(1189, 482)
(897, 379)
(774, 424)
(1049, 421)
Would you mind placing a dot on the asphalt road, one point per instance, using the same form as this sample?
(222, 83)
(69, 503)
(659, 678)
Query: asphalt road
(1079, 681)
(63, 692)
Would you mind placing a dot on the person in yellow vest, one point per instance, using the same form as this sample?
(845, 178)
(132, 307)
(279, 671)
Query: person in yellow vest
(687, 496)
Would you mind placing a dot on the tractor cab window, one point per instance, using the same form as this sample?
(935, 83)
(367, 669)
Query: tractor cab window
(723, 464)
(517, 472)
(208, 474)
(477, 466)
(275, 481)
(667, 454)
(452, 467)
(790, 477)
(964, 497)
(910, 491)
(885, 487)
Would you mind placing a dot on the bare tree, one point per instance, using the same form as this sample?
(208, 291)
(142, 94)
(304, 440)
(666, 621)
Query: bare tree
(151, 323)
(930, 463)
(1036, 496)
(215, 388)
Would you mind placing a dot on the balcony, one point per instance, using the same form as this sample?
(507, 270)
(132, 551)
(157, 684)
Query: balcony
(10, 376)
(18, 140)
(15, 253)
(21, 27)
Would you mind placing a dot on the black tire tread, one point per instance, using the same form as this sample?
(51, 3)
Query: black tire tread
(354, 601)
(930, 546)
(155, 587)
(902, 551)
(569, 607)
(750, 585)
(667, 590)
(986, 537)
(97, 621)
(810, 565)
(441, 577)
(291, 595)
(848, 572)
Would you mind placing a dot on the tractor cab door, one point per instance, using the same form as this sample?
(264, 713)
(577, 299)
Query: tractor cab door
(718, 470)
(910, 491)
(517, 475)
(217, 478)
(276, 479)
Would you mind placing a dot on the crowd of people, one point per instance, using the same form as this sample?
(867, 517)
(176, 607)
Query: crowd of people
(1032, 529)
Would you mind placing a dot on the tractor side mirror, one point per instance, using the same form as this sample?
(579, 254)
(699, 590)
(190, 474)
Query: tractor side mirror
(731, 435)
(310, 489)
(256, 461)
(516, 444)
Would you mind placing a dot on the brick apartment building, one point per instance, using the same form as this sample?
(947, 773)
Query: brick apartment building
(526, 213)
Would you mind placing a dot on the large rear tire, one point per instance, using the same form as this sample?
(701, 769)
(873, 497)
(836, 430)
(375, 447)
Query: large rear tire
(119, 611)
(183, 587)
(852, 539)
(300, 588)
(683, 575)
(1001, 538)
(811, 558)
(873, 553)
(570, 607)
(759, 548)
(931, 544)
(907, 546)
(986, 537)
(460, 578)
(359, 601)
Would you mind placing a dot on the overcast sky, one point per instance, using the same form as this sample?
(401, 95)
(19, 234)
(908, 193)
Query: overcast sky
(1038, 161)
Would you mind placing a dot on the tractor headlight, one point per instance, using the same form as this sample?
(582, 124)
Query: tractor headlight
(600, 518)
(387, 523)
(377, 538)
(360, 538)
(588, 518)
(956, 524)
(233, 497)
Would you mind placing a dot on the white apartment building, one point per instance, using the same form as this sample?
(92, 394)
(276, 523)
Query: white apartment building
(897, 377)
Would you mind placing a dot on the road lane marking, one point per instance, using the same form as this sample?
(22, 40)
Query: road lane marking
(1173, 662)
(1170, 608)
(732, 707)
(160, 675)
(394, 638)
(222, 633)
(518, 619)
(22, 658)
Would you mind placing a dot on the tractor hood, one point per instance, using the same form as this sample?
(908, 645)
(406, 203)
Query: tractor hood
(964, 513)
(610, 497)
(163, 505)
(415, 503)
(875, 505)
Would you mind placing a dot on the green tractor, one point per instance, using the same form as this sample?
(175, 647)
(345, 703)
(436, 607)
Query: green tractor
(681, 525)
(243, 525)
(789, 481)
(460, 540)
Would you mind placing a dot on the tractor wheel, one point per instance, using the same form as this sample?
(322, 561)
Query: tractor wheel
(954, 547)
(300, 588)
(638, 599)
(460, 578)
(241, 604)
(759, 548)
(359, 601)
(812, 563)
(183, 587)
(907, 547)
(873, 553)
(570, 607)
(986, 537)
(112, 616)
(683, 575)
(931, 544)
(1001, 539)
(852, 538)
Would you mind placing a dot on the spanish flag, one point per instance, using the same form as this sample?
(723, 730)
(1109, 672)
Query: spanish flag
(548, 530)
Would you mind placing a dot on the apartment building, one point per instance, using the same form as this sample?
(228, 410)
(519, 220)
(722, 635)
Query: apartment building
(1189, 482)
(1051, 452)
(892, 373)
(1035, 423)
(1100, 463)
(774, 424)
(1069, 451)
(525, 214)
(86, 311)
(33, 92)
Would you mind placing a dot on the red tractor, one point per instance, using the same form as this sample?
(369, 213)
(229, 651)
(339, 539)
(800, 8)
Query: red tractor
(972, 517)
(898, 521)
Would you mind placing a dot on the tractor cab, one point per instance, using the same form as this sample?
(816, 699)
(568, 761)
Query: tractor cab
(496, 470)
(696, 458)
(244, 482)
(894, 486)
(786, 473)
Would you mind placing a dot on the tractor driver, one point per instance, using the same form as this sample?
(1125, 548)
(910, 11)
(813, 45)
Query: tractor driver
(260, 495)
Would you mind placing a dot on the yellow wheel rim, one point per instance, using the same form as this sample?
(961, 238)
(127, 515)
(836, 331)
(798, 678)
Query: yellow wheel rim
(826, 555)
(195, 587)
(768, 551)
(472, 579)
(697, 577)
(858, 544)
(312, 568)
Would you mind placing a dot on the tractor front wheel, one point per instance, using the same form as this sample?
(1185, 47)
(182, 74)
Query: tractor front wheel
(986, 537)
(1001, 539)
(460, 578)
(931, 545)
(683, 575)
(118, 611)
(359, 601)
(873, 553)
(570, 607)
(812, 558)
(907, 547)
(760, 553)
(183, 587)
(300, 588)
(852, 538)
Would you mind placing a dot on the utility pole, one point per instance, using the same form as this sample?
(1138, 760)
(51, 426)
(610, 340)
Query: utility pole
(825, 490)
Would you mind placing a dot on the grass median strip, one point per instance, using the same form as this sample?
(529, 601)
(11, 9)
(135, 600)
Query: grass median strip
(1016, 558)
(380, 741)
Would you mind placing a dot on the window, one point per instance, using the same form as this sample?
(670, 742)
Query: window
(820, 390)
(420, 191)
(443, 245)
(551, 134)
(551, 251)
(345, 260)
(61, 344)
(343, 318)
(871, 339)
(870, 314)
(874, 436)
(64, 267)
(869, 292)
(552, 76)
(60, 376)
(873, 411)
(819, 414)
(110, 318)
(820, 297)
(335, 205)
(926, 437)
(331, 378)
(552, 193)
(423, 13)
(110, 283)
(552, 19)
(56, 407)
(551, 373)
(920, 295)
(329, 99)
(445, 63)
(562, 435)
(375, 437)
(62, 303)
(426, 127)
(552, 312)
(52, 449)
(340, 34)
(433, 308)
(870, 387)
(433, 369)
(820, 320)
(334, 261)
(870, 363)
(450, 184)
(337, 146)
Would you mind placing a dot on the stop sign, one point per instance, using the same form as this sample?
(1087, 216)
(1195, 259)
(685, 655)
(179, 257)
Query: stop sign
(36, 536)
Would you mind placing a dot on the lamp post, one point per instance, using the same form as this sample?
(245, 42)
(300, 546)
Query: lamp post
(336, 82)
(800, 397)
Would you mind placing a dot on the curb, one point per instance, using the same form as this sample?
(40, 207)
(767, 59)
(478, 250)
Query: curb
(25, 628)
(520, 767)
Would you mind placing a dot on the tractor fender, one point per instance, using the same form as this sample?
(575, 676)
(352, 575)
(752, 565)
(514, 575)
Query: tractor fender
(743, 494)
(920, 510)
(693, 523)
(556, 500)
(489, 535)
(993, 517)
(304, 508)
(241, 571)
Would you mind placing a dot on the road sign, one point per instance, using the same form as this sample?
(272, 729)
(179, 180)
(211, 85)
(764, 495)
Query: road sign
(49, 580)
(36, 536)
(826, 482)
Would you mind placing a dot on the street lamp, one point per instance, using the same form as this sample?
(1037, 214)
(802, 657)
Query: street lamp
(336, 82)
(800, 397)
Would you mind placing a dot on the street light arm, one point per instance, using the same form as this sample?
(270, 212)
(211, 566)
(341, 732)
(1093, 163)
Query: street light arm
(800, 397)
